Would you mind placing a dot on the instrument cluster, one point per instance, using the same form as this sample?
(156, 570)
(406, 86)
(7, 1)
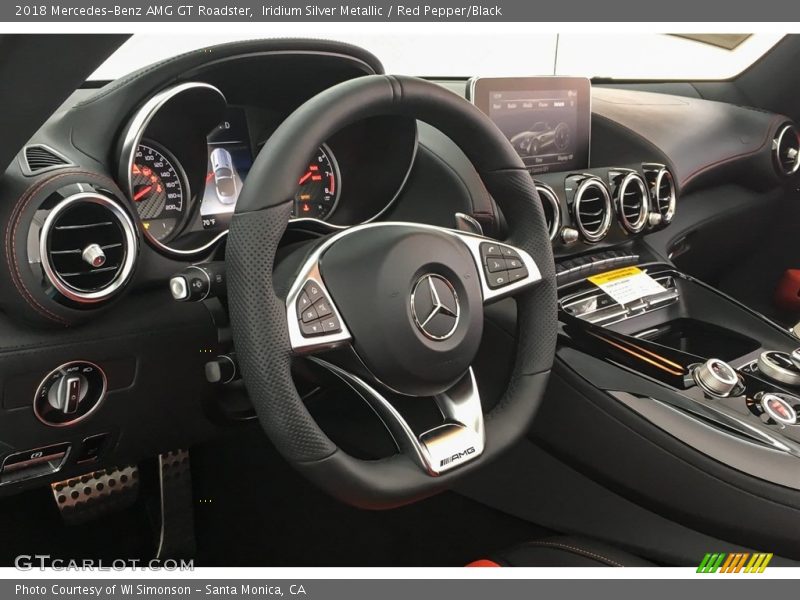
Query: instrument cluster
(187, 152)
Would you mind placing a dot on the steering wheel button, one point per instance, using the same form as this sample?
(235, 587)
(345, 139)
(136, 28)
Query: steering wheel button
(311, 329)
(313, 291)
(497, 279)
(495, 264)
(488, 250)
(517, 274)
(513, 263)
(310, 314)
(508, 252)
(330, 325)
(303, 302)
(323, 308)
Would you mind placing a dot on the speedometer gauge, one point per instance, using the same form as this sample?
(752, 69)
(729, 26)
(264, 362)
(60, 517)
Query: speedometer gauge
(318, 188)
(159, 190)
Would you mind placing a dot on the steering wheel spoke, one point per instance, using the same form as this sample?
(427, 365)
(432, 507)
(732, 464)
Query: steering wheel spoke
(504, 269)
(459, 439)
(315, 323)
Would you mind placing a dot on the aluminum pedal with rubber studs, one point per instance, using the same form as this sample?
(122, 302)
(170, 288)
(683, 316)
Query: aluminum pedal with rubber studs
(93, 495)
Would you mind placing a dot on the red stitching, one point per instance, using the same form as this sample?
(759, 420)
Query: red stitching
(734, 157)
(11, 240)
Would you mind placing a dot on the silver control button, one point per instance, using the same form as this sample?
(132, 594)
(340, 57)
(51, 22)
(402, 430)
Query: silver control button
(795, 356)
(178, 288)
(94, 256)
(778, 409)
(779, 366)
(716, 377)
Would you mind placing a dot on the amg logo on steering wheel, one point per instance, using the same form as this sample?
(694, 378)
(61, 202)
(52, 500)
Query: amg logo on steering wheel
(458, 456)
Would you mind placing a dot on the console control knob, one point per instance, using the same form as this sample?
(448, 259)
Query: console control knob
(778, 409)
(716, 377)
(654, 219)
(779, 366)
(795, 356)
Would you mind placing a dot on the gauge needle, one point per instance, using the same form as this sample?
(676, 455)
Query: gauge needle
(305, 178)
(142, 193)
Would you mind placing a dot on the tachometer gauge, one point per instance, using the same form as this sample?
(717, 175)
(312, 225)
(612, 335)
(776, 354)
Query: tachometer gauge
(318, 188)
(159, 190)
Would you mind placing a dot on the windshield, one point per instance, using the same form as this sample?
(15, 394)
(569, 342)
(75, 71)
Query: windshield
(494, 52)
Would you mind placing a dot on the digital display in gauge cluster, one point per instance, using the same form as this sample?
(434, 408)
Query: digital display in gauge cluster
(229, 161)
(546, 119)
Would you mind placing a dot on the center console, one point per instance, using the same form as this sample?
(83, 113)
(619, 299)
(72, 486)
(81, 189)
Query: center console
(668, 399)
(693, 362)
(696, 364)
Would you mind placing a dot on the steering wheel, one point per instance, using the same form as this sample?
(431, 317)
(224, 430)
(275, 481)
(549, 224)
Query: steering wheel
(393, 309)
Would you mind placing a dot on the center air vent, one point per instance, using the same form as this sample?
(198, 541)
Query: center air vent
(592, 209)
(664, 195)
(552, 209)
(786, 150)
(633, 206)
(88, 247)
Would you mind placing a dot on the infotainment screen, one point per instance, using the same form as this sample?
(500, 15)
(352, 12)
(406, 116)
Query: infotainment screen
(546, 119)
(229, 161)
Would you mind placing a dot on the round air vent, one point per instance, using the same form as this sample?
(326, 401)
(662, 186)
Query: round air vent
(88, 247)
(786, 150)
(664, 195)
(592, 209)
(633, 206)
(552, 209)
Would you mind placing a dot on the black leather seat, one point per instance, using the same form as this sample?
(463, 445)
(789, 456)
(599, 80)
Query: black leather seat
(563, 552)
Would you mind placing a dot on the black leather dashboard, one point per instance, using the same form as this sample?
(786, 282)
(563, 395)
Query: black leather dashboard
(702, 140)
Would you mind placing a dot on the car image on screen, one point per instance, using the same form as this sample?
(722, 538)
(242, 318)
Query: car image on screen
(540, 137)
(224, 175)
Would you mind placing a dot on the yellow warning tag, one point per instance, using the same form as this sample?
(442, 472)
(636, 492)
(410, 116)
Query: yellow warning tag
(609, 276)
(627, 285)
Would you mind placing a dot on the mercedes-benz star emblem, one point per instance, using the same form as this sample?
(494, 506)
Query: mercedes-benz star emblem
(434, 306)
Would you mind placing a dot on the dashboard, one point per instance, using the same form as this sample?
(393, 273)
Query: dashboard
(127, 185)
(167, 151)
